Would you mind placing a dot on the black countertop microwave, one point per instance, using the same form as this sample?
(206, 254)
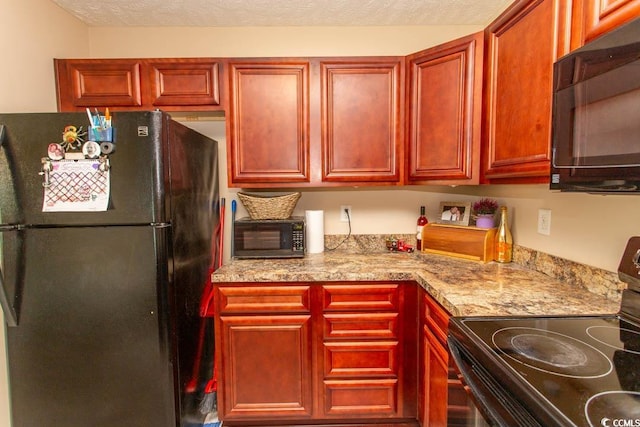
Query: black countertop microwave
(268, 238)
(596, 115)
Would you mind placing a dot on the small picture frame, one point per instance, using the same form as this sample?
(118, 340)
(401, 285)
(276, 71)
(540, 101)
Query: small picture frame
(455, 213)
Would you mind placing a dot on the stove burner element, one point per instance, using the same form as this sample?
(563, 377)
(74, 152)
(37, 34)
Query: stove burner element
(612, 408)
(611, 337)
(551, 352)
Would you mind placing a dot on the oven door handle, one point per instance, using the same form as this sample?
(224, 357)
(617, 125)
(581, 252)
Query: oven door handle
(489, 399)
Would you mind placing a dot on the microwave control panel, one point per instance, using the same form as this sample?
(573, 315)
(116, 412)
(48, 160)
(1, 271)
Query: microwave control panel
(297, 237)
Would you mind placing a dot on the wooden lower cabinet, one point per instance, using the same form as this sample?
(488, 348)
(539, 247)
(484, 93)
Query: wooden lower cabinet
(436, 375)
(442, 399)
(266, 369)
(333, 353)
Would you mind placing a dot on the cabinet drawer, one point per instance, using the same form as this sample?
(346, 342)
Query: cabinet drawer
(360, 359)
(361, 326)
(372, 297)
(263, 299)
(364, 398)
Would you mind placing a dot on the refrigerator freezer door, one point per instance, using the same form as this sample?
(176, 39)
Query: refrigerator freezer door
(92, 346)
(138, 169)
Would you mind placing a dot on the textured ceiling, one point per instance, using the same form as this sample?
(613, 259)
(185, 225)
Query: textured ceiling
(233, 13)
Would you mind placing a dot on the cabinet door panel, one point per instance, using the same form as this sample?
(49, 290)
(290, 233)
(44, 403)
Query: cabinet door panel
(98, 83)
(521, 49)
(437, 372)
(184, 83)
(361, 122)
(360, 359)
(269, 122)
(445, 111)
(265, 367)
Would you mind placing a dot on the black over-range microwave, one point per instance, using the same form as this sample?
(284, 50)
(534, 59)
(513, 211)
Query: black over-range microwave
(268, 238)
(596, 115)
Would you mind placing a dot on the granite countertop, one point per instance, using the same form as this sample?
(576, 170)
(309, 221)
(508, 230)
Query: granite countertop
(463, 287)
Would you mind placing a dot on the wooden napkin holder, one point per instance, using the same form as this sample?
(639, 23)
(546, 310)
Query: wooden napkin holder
(471, 243)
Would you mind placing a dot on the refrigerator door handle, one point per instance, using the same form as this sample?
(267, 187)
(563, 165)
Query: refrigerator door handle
(9, 312)
(10, 315)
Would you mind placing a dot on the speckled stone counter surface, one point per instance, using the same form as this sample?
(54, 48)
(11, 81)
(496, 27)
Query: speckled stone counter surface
(462, 287)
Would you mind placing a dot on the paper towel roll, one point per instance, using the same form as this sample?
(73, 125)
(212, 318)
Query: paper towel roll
(314, 231)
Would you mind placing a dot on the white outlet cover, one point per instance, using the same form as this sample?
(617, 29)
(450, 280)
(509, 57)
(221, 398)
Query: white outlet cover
(343, 215)
(544, 221)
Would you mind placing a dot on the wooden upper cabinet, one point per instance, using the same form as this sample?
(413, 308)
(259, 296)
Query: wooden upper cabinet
(521, 46)
(184, 82)
(268, 123)
(138, 84)
(444, 112)
(361, 120)
(315, 122)
(592, 18)
(98, 83)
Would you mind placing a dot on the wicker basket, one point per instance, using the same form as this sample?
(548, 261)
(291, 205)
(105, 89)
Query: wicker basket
(269, 207)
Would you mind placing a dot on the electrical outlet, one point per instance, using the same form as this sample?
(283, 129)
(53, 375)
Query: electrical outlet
(544, 221)
(343, 213)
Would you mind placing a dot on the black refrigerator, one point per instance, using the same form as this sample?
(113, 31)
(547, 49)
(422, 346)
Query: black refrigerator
(102, 303)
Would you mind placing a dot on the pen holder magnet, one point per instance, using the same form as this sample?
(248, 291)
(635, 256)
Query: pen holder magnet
(100, 134)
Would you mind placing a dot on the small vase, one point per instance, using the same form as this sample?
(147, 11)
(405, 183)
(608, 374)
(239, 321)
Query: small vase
(485, 221)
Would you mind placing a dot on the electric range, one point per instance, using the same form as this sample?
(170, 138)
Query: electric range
(556, 370)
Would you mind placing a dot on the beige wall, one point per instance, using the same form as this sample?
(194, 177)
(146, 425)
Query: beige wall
(585, 228)
(33, 32)
(269, 41)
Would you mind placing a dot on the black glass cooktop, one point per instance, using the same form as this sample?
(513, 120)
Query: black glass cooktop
(584, 370)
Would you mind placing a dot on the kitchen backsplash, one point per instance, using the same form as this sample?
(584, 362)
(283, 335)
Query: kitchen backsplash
(596, 280)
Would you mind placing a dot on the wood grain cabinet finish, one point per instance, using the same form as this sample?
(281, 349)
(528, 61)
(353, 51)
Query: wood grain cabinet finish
(521, 47)
(444, 112)
(361, 371)
(171, 84)
(83, 83)
(265, 370)
(268, 123)
(322, 353)
(184, 82)
(592, 18)
(361, 120)
(263, 349)
(442, 398)
(314, 121)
